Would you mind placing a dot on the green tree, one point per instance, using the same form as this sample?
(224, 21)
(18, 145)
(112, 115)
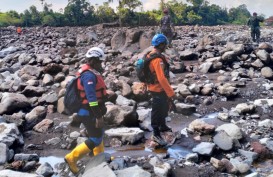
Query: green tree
(35, 15)
(26, 16)
(131, 4)
(239, 15)
(193, 18)
(105, 13)
(76, 10)
(48, 20)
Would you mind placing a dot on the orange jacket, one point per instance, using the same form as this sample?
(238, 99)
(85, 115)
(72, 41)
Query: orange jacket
(162, 84)
(19, 30)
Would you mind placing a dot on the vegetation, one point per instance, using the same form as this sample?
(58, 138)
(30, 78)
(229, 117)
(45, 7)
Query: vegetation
(81, 12)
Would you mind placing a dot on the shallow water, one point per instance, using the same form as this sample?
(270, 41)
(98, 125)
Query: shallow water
(52, 160)
(178, 152)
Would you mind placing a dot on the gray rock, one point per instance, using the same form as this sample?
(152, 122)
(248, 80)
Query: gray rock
(26, 157)
(229, 57)
(122, 101)
(45, 169)
(145, 39)
(4, 153)
(243, 108)
(193, 157)
(186, 109)
(223, 116)
(267, 72)
(31, 91)
(204, 68)
(17, 118)
(60, 106)
(134, 171)
(99, 171)
(242, 167)
(183, 90)
(228, 90)
(232, 130)
(11, 102)
(7, 51)
(35, 116)
(257, 64)
(188, 55)
(10, 173)
(265, 123)
(117, 164)
(126, 89)
(223, 141)
(30, 166)
(251, 156)
(47, 80)
(118, 40)
(194, 88)
(53, 141)
(160, 168)
(31, 70)
(264, 56)
(51, 97)
(269, 144)
(266, 46)
(204, 148)
(144, 116)
(9, 134)
(43, 126)
(121, 115)
(131, 135)
(255, 174)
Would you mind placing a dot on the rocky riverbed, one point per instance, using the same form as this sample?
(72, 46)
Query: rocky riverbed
(223, 85)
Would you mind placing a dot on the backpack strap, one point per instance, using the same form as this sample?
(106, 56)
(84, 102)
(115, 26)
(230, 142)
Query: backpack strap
(155, 55)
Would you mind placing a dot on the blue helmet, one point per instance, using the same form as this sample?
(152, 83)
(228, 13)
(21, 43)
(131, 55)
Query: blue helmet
(158, 39)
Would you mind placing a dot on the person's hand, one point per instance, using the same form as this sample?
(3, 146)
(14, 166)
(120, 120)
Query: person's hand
(172, 106)
(99, 122)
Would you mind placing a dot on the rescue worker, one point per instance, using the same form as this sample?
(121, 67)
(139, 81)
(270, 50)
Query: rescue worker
(93, 92)
(19, 31)
(254, 24)
(167, 27)
(160, 89)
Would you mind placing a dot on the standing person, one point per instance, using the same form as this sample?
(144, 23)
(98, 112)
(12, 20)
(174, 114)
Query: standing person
(159, 87)
(19, 30)
(254, 24)
(92, 91)
(166, 25)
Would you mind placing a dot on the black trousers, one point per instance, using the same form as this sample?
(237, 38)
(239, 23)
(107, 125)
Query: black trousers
(95, 135)
(160, 108)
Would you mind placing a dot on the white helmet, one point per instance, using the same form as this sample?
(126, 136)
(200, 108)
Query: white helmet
(95, 52)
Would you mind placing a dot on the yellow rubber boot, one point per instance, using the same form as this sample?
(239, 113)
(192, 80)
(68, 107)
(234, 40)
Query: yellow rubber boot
(99, 149)
(76, 154)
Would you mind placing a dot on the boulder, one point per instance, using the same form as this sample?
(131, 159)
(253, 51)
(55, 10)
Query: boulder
(130, 135)
(11, 102)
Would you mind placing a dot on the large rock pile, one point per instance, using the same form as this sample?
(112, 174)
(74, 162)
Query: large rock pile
(219, 65)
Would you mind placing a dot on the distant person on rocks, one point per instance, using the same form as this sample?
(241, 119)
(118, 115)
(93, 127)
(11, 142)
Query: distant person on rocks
(92, 90)
(159, 87)
(19, 31)
(254, 24)
(166, 26)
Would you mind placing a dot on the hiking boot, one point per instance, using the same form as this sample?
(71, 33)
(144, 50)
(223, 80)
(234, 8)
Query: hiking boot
(165, 128)
(159, 140)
